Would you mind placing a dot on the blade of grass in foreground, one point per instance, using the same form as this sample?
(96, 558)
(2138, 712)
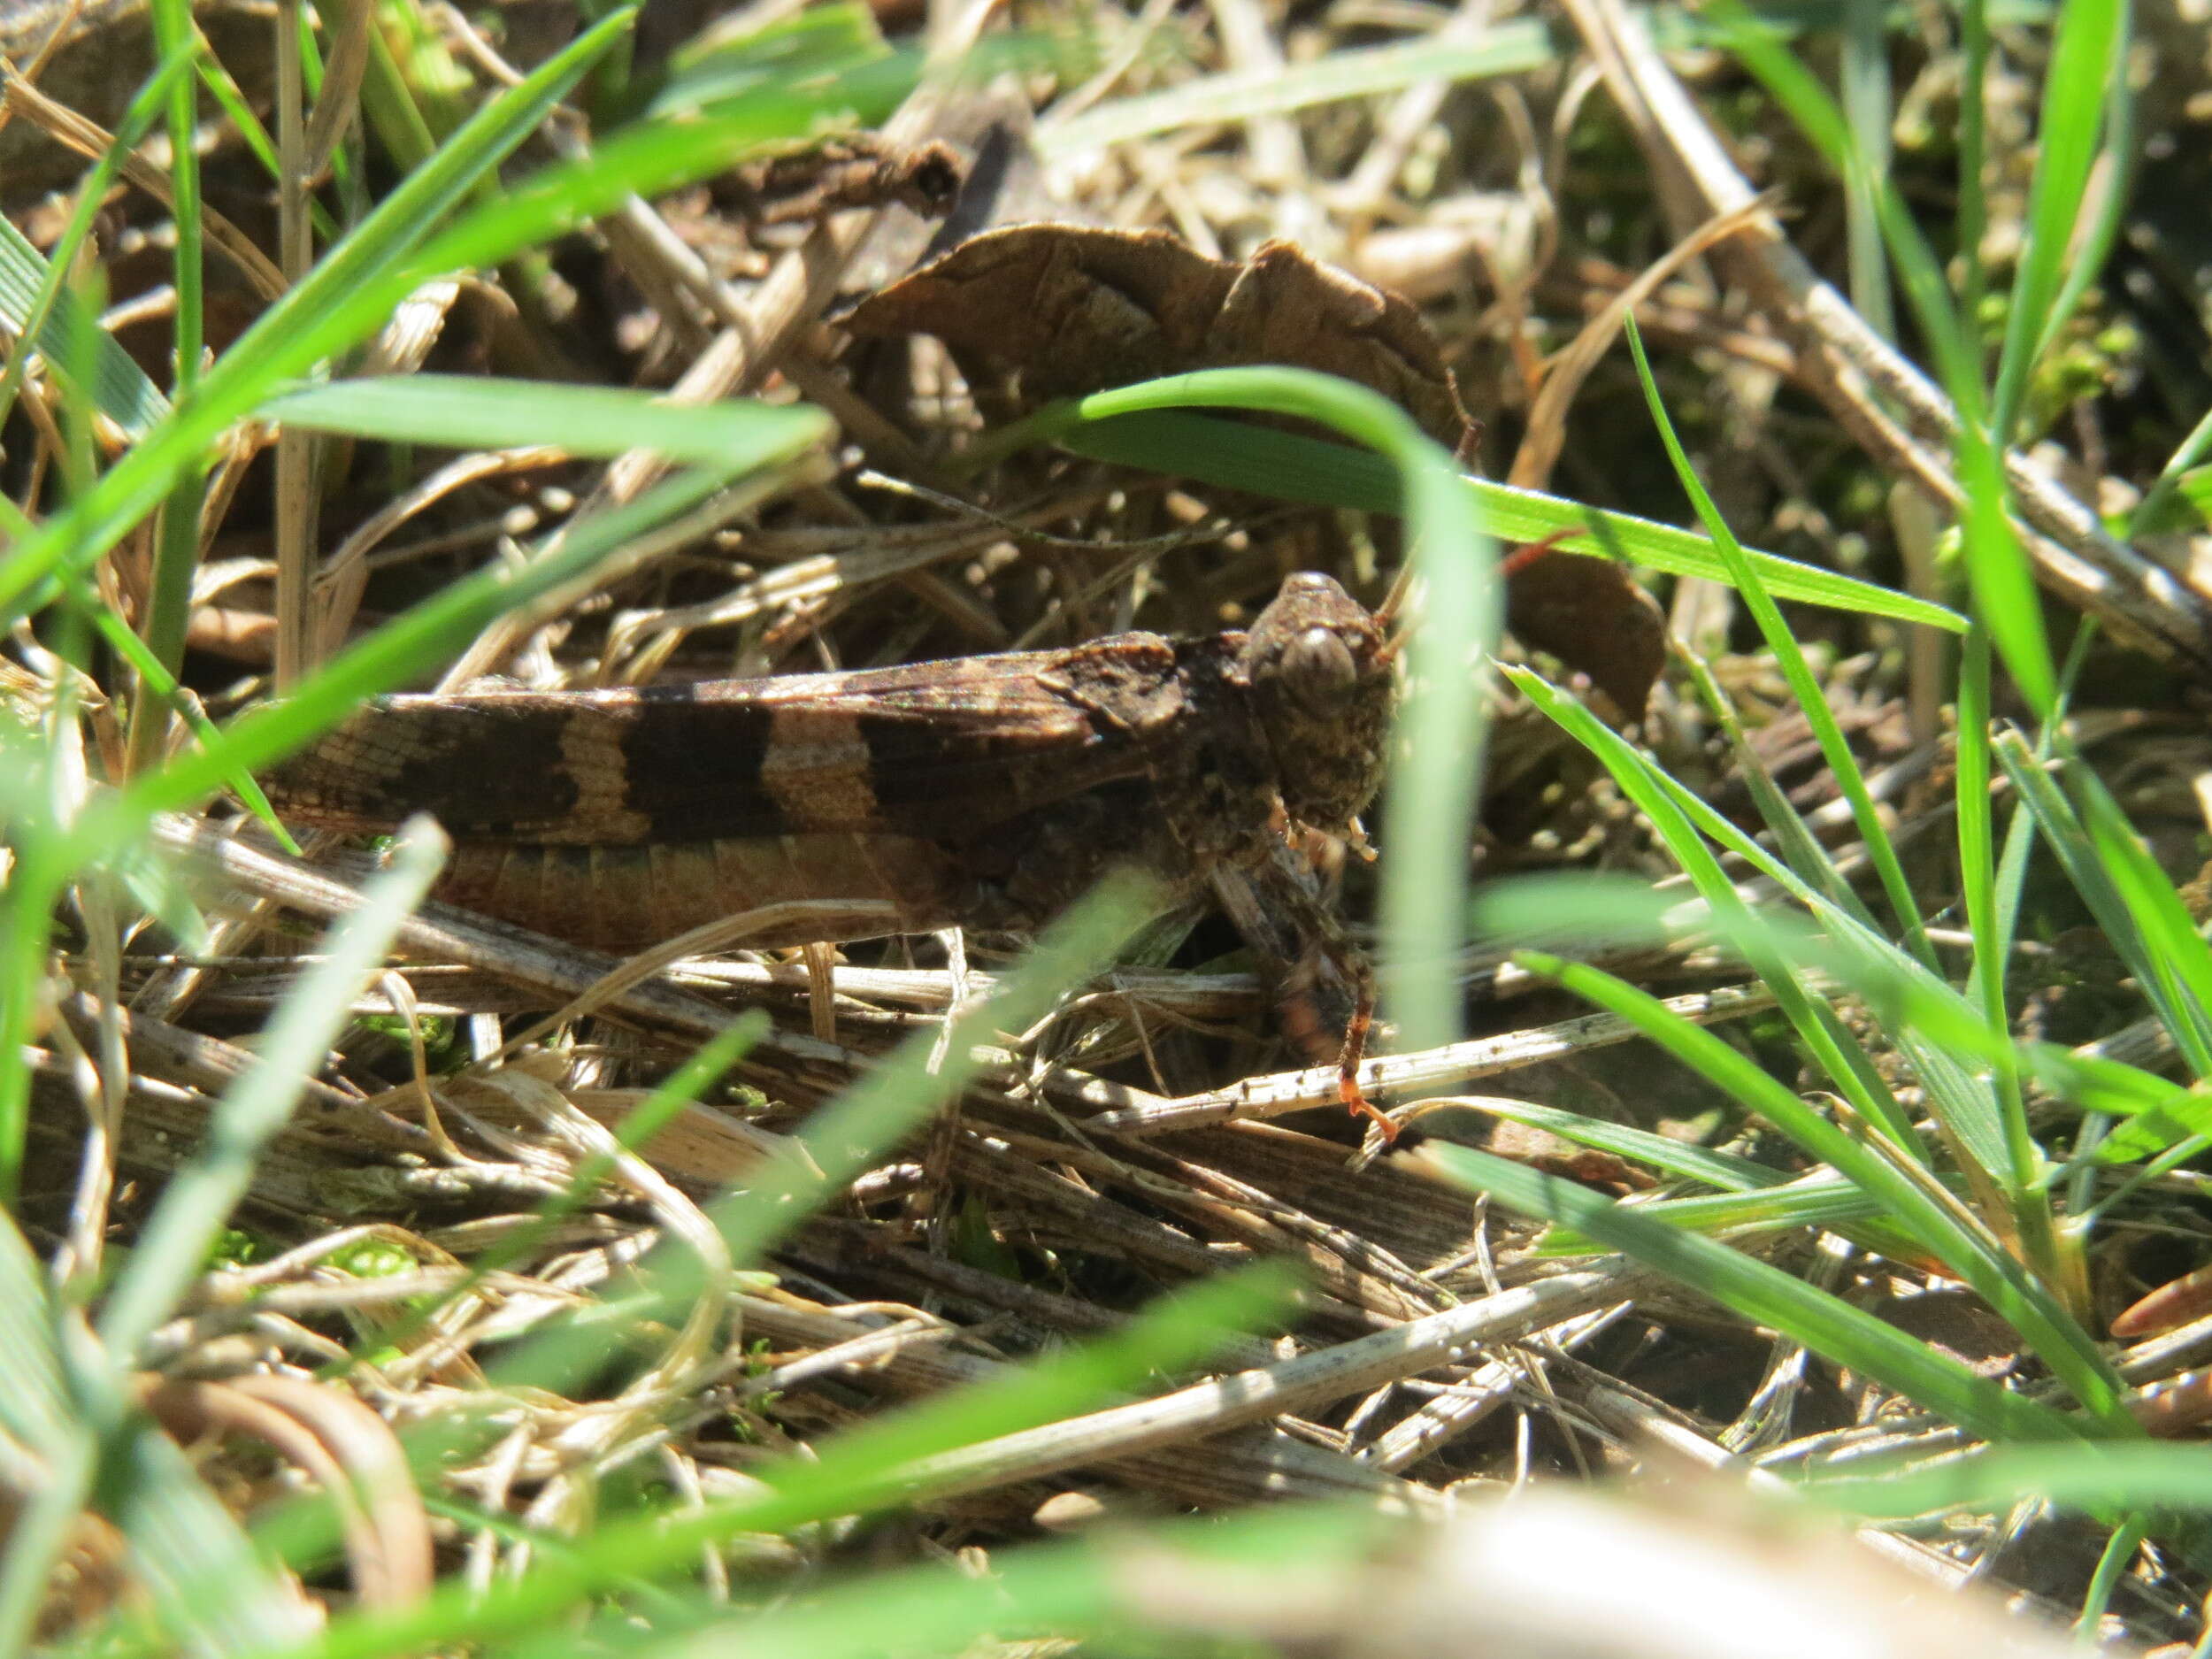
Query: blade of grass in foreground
(184, 1538)
(882, 1464)
(202, 1195)
(2093, 1478)
(482, 412)
(844, 1137)
(36, 1406)
(181, 1539)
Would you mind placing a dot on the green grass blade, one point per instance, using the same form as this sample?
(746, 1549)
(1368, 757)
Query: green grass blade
(1997, 565)
(896, 1452)
(175, 35)
(1826, 1201)
(1766, 1295)
(1077, 1591)
(1990, 918)
(1689, 1162)
(687, 1083)
(2172, 932)
(36, 301)
(2085, 55)
(168, 613)
(1293, 467)
(2151, 512)
(1867, 107)
(35, 1406)
(1798, 847)
(1811, 699)
(1744, 1081)
(2003, 581)
(822, 40)
(1675, 818)
(182, 1540)
(842, 1137)
(1926, 1015)
(2091, 245)
(42, 1531)
(2157, 1114)
(1973, 210)
(1596, 909)
(1759, 47)
(2084, 859)
(1930, 1023)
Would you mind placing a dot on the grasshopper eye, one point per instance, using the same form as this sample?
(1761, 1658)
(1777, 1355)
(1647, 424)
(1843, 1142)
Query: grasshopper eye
(1318, 670)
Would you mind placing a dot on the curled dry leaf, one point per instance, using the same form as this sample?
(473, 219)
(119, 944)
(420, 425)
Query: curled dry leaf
(1072, 309)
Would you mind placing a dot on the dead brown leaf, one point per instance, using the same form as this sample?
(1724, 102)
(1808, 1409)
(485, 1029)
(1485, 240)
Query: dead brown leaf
(1073, 309)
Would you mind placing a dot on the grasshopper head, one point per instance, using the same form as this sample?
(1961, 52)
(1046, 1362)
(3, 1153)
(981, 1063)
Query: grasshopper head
(1321, 687)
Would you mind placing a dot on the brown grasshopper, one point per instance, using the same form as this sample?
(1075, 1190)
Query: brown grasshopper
(985, 792)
